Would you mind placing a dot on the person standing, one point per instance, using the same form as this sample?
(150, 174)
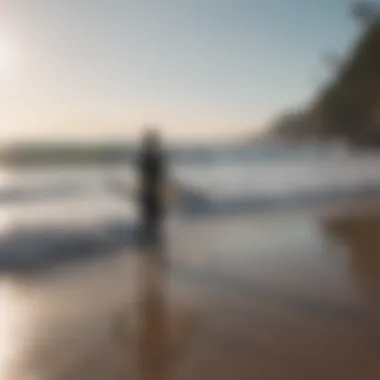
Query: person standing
(151, 166)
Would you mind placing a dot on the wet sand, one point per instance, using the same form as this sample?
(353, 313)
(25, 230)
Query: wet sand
(290, 296)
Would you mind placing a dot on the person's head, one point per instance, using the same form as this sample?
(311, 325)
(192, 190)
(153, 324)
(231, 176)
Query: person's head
(152, 139)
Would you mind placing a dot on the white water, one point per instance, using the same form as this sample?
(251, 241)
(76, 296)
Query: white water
(251, 178)
(279, 178)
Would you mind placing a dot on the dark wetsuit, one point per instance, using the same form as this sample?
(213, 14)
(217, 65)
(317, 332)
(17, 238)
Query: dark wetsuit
(151, 171)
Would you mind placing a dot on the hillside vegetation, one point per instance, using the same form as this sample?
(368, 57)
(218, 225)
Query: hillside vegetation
(349, 106)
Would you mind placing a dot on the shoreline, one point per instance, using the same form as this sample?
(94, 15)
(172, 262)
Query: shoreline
(43, 248)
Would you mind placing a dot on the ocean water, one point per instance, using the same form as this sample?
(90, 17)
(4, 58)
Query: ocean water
(49, 212)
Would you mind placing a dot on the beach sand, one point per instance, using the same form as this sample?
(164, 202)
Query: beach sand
(291, 296)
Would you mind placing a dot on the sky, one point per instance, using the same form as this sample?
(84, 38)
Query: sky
(198, 69)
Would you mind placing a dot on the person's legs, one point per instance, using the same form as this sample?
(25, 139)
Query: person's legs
(150, 231)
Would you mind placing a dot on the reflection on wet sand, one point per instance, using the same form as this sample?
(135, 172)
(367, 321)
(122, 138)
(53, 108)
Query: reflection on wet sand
(360, 234)
(160, 333)
(270, 297)
(153, 337)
